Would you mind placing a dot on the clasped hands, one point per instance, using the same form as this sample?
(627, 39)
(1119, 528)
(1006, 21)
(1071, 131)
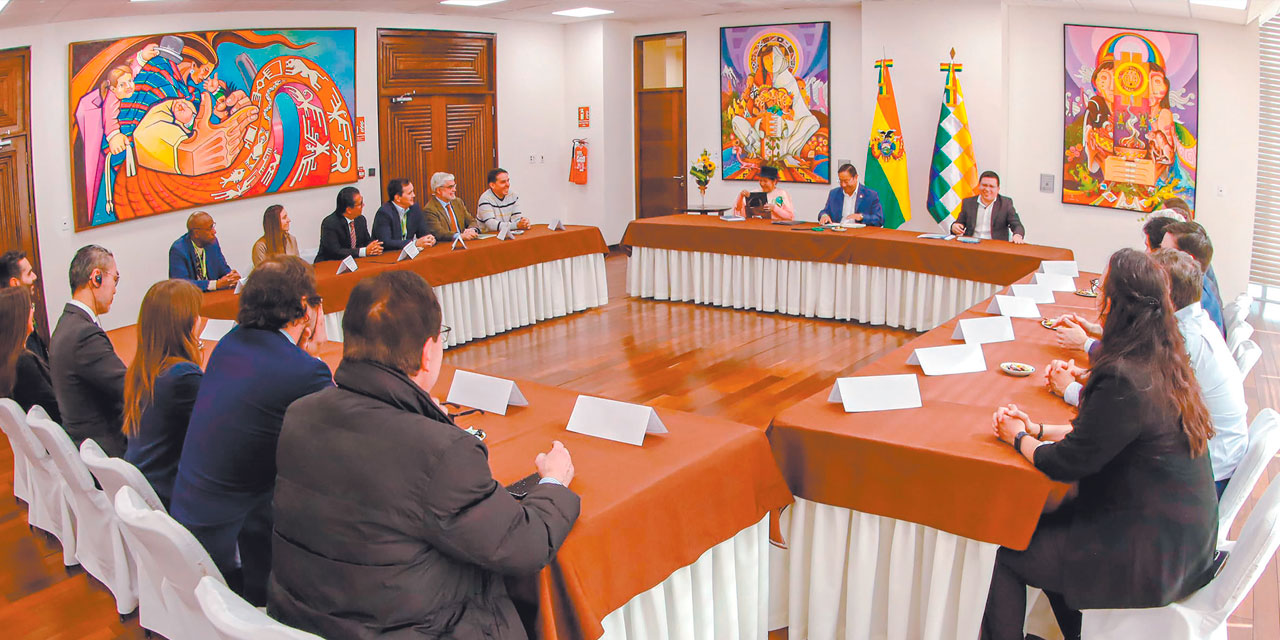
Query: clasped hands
(1008, 421)
(227, 281)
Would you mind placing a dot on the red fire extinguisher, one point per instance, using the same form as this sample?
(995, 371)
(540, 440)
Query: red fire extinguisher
(578, 163)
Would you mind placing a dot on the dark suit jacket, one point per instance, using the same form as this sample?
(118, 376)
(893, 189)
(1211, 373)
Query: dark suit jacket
(1004, 218)
(182, 262)
(386, 226)
(868, 204)
(438, 220)
(335, 239)
(88, 380)
(163, 427)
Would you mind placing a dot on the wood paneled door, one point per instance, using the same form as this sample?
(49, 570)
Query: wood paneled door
(436, 96)
(662, 167)
(17, 208)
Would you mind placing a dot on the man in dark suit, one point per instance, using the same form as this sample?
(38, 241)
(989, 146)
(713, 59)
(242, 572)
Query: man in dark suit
(227, 470)
(861, 203)
(16, 270)
(345, 232)
(400, 219)
(446, 531)
(88, 376)
(447, 216)
(989, 215)
(197, 257)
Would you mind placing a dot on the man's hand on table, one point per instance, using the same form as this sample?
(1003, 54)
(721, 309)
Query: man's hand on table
(374, 248)
(1017, 239)
(469, 233)
(1059, 375)
(957, 228)
(556, 464)
(1070, 334)
(523, 223)
(824, 219)
(425, 241)
(227, 281)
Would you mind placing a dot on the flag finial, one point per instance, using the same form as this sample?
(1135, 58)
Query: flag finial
(953, 53)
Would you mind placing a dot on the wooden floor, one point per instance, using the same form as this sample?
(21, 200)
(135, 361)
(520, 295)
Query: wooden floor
(735, 364)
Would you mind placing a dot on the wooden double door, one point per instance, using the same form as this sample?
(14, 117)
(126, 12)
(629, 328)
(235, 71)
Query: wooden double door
(17, 208)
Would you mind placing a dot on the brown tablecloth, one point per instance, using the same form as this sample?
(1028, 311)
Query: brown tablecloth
(440, 265)
(989, 261)
(938, 465)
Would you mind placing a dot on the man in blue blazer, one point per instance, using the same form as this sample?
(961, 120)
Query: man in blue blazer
(227, 470)
(852, 202)
(197, 256)
(400, 219)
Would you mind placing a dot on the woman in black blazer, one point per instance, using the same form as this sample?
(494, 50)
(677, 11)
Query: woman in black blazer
(1142, 528)
(24, 374)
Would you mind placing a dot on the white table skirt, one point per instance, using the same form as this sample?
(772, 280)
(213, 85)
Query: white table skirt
(875, 295)
(849, 575)
(490, 305)
(724, 594)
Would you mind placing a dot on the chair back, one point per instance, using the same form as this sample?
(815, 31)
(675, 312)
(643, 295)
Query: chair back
(64, 454)
(1264, 443)
(22, 442)
(1246, 356)
(1249, 558)
(1238, 333)
(236, 619)
(114, 473)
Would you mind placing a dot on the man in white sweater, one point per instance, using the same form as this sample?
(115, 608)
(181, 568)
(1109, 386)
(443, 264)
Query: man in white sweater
(499, 204)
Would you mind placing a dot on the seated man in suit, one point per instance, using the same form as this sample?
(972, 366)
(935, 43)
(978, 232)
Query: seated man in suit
(88, 376)
(989, 215)
(227, 470)
(399, 219)
(197, 257)
(345, 232)
(446, 532)
(1190, 237)
(499, 203)
(16, 270)
(447, 216)
(852, 202)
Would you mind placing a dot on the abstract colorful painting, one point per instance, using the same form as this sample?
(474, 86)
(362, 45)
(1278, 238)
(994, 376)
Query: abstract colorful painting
(1131, 117)
(174, 121)
(774, 107)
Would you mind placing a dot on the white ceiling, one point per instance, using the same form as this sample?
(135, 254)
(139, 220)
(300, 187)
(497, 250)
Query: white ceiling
(31, 12)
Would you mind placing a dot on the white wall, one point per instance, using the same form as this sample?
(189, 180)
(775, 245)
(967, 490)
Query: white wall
(531, 67)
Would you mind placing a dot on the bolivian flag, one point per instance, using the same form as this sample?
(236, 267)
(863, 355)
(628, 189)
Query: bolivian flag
(887, 155)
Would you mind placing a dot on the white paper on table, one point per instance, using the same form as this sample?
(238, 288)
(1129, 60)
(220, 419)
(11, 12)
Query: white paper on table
(877, 393)
(488, 393)
(984, 330)
(410, 251)
(348, 264)
(1014, 307)
(556, 225)
(214, 329)
(1060, 267)
(240, 285)
(1055, 281)
(457, 240)
(1039, 293)
(612, 420)
(948, 360)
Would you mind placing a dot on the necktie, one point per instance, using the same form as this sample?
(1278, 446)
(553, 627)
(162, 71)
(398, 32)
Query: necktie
(201, 268)
(404, 225)
(351, 226)
(453, 220)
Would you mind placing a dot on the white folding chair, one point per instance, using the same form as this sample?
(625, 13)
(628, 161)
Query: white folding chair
(114, 473)
(175, 562)
(236, 619)
(10, 423)
(1236, 311)
(100, 546)
(1246, 356)
(47, 507)
(1203, 614)
(1238, 333)
(1264, 442)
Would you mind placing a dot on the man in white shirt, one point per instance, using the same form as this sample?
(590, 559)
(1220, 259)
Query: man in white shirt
(989, 215)
(499, 203)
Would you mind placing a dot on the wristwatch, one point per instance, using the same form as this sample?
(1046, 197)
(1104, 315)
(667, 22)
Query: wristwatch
(1017, 441)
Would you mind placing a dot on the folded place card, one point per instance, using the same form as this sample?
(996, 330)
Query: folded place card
(1040, 293)
(556, 225)
(1014, 307)
(613, 420)
(984, 330)
(214, 329)
(877, 393)
(504, 231)
(457, 241)
(240, 285)
(410, 251)
(948, 360)
(348, 264)
(488, 393)
(1060, 267)
(1055, 281)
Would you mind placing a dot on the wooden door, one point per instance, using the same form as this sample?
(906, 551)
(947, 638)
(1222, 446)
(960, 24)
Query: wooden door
(661, 162)
(436, 98)
(17, 208)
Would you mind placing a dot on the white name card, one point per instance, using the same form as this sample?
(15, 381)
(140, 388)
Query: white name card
(1055, 281)
(214, 329)
(1060, 267)
(485, 392)
(410, 251)
(877, 393)
(240, 285)
(984, 330)
(949, 360)
(556, 225)
(1038, 293)
(504, 230)
(347, 265)
(457, 242)
(612, 420)
(1014, 307)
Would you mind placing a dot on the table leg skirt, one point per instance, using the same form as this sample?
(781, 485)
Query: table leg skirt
(875, 295)
(849, 575)
(724, 594)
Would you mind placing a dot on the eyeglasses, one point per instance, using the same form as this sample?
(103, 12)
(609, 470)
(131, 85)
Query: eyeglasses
(444, 332)
(115, 275)
(449, 186)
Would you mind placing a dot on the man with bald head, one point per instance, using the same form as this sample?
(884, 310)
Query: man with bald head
(197, 258)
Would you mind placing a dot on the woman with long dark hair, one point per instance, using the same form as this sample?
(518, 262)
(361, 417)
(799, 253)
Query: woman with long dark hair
(1141, 531)
(161, 383)
(276, 239)
(24, 376)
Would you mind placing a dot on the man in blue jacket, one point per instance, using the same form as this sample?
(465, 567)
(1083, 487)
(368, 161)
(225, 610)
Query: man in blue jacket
(852, 202)
(197, 256)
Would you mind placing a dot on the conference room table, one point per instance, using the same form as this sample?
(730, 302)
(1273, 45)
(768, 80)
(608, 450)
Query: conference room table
(490, 287)
(898, 514)
(874, 275)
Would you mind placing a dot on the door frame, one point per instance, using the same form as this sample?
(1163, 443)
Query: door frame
(23, 136)
(637, 75)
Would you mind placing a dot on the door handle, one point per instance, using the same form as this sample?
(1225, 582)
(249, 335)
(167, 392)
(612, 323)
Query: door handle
(677, 177)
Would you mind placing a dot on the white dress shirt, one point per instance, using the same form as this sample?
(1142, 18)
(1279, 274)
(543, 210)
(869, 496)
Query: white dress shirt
(92, 316)
(850, 207)
(982, 222)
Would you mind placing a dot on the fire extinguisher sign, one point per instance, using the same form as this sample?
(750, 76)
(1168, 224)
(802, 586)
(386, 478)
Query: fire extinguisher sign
(584, 117)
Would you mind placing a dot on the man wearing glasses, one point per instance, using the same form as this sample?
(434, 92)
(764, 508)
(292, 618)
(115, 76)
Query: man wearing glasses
(197, 257)
(447, 215)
